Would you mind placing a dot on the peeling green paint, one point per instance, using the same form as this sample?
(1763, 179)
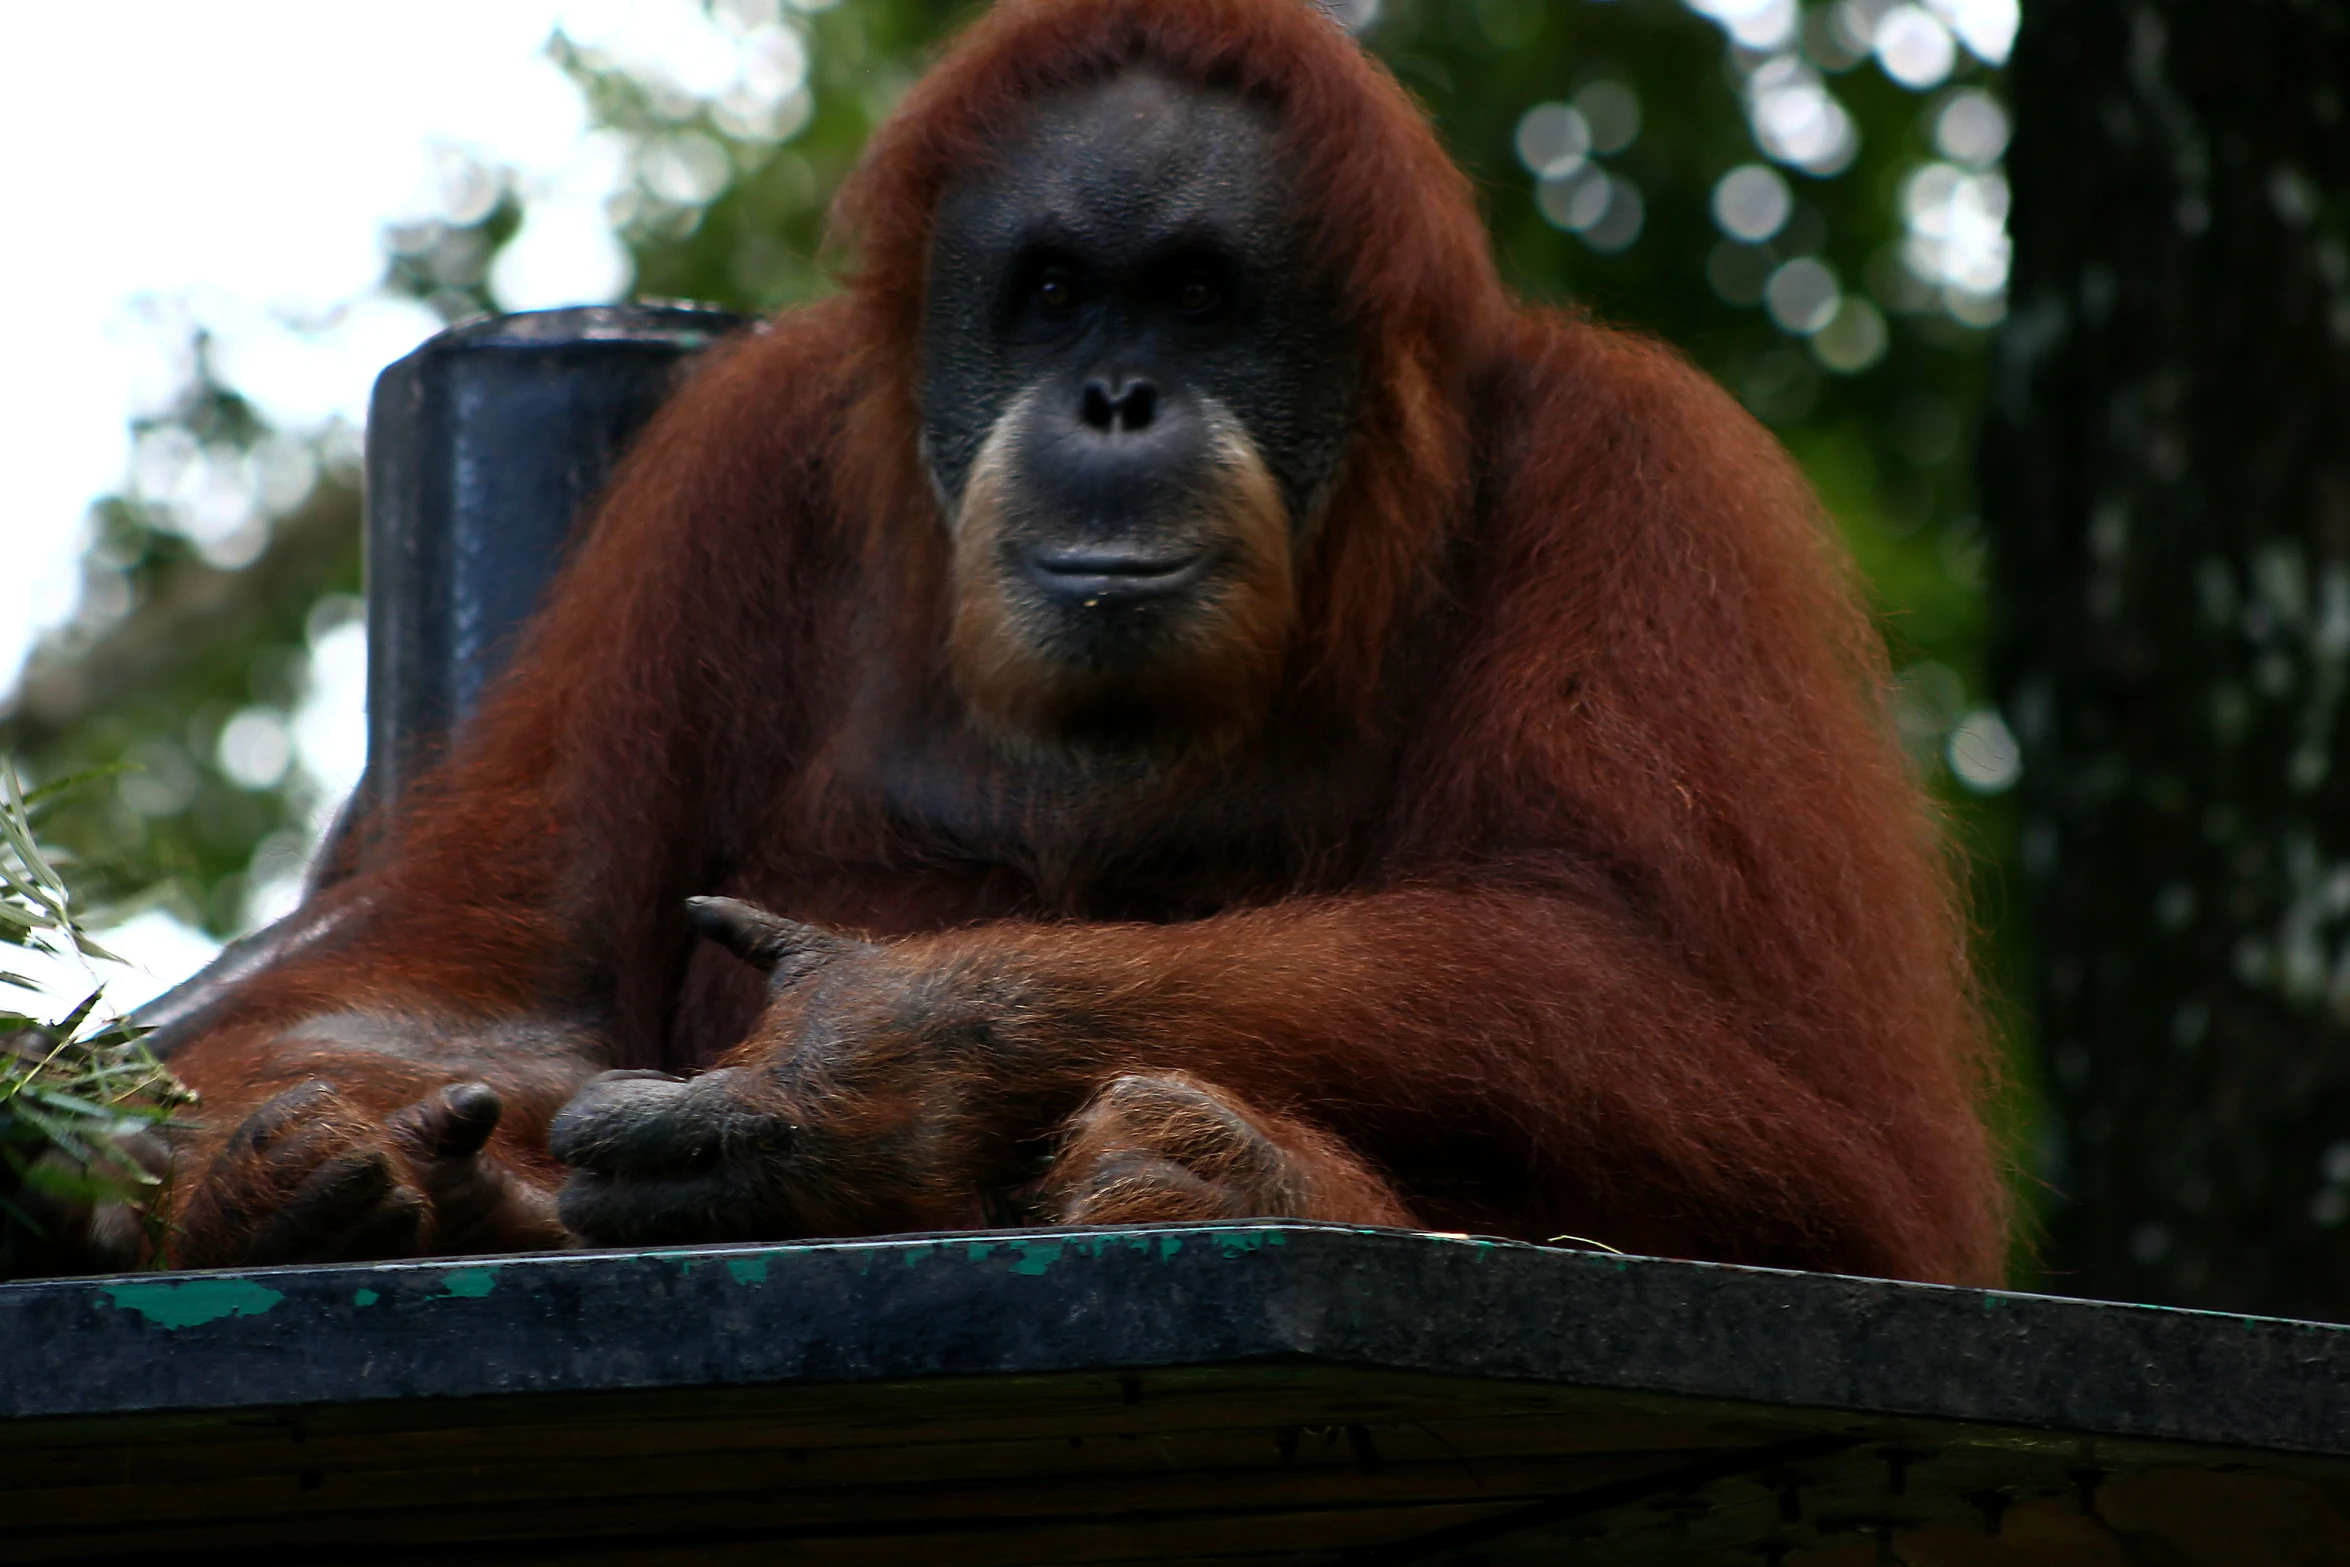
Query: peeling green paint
(1036, 1257)
(194, 1302)
(365, 1298)
(471, 1283)
(747, 1270)
(1169, 1245)
(1236, 1243)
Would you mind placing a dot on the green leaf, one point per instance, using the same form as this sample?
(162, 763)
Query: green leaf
(80, 1014)
(62, 1136)
(45, 886)
(48, 793)
(90, 949)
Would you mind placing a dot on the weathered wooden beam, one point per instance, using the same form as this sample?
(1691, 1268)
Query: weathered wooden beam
(1275, 1392)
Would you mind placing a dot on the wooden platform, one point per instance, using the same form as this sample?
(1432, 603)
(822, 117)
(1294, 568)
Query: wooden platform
(1272, 1393)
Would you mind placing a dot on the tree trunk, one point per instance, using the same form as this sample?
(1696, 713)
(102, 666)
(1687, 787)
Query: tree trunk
(2167, 490)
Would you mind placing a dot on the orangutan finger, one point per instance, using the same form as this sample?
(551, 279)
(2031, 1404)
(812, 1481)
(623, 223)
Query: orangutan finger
(277, 1116)
(389, 1229)
(316, 1218)
(453, 1122)
(785, 950)
(626, 1120)
(647, 1124)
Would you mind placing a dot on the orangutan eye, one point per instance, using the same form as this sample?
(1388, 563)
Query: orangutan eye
(1056, 291)
(1197, 294)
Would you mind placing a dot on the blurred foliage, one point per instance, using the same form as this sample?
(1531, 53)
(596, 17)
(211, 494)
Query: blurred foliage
(173, 641)
(1867, 365)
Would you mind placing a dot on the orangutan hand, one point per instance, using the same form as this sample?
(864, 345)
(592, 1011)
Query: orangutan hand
(310, 1176)
(857, 1106)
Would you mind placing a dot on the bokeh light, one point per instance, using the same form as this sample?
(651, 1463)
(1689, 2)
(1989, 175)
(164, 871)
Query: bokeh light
(1611, 112)
(1953, 256)
(1971, 128)
(1554, 140)
(1605, 209)
(158, 778)
(256, 748)
(1557, 143)
(1803, 295)
(1751, 203)
(1854, 339)
(1914, 47)
(1575, 202)
(1620, 225)
(1986, 27)
(1957, 236)
(1797, 121)
(1757, 24)
(1983, 753)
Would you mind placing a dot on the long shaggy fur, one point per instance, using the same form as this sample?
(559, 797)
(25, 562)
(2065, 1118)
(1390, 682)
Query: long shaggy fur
(1572, 881)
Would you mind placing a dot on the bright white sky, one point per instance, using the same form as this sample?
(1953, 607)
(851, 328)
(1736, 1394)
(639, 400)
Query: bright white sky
(240, 159)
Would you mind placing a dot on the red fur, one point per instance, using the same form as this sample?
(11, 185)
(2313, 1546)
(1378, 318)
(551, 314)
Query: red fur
(1575, 887)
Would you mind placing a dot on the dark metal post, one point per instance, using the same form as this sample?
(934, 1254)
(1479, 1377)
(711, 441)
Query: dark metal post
(483, 447)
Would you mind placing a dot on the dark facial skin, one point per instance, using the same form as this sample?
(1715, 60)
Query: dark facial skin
(1127, 279)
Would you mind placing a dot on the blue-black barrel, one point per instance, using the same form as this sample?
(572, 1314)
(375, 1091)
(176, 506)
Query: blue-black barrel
(484, 447)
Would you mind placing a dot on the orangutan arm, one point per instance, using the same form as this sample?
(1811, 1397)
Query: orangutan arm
(1505, 1055)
